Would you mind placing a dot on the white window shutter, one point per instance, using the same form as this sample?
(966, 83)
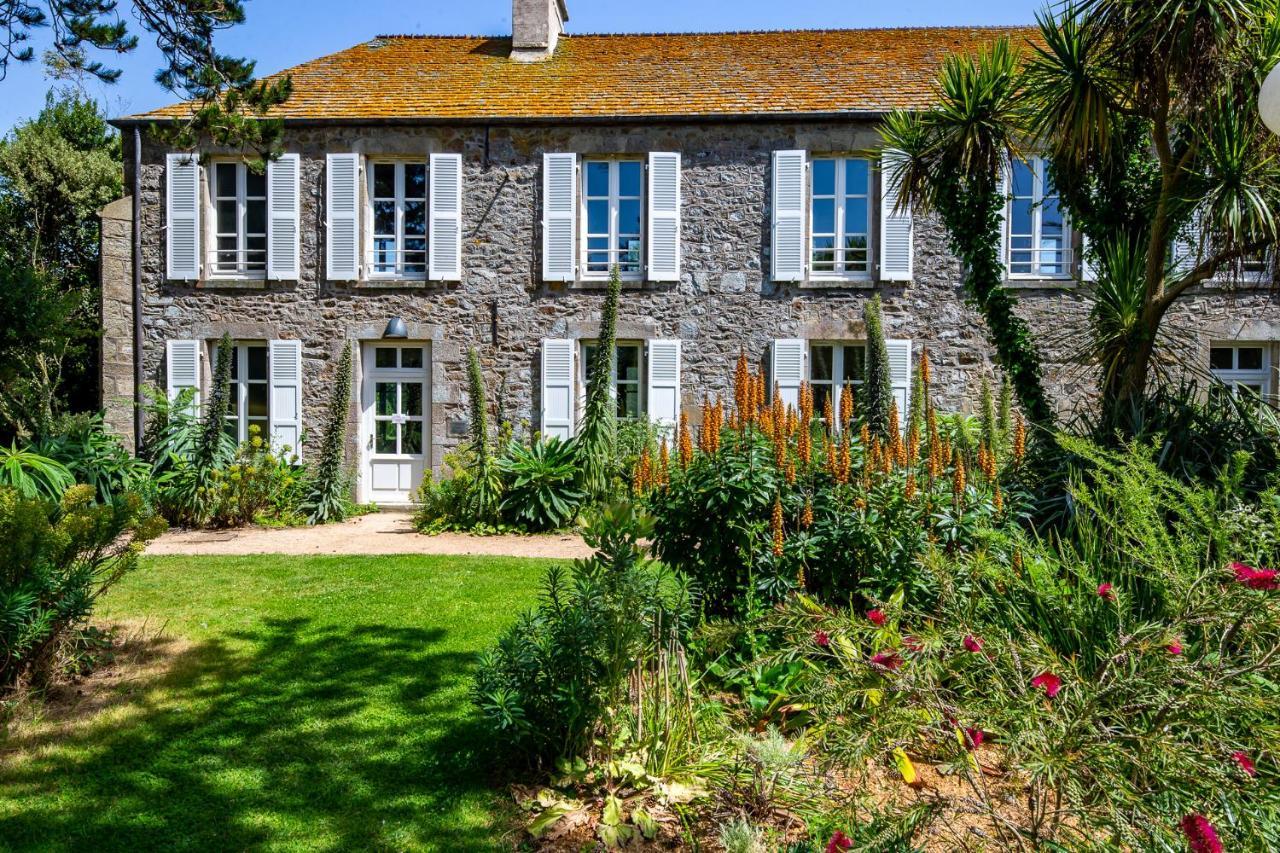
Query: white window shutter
(1087, 271)
(286, 395)
(445, 245)
(664, 384)
(182, 217)
(896, 231)
(900, 374)
(664, 216)
(557, 388)
(788, 356)
(786, 252)
(1185, 249)
(1002, 218)
(182, 369)
(342, 217)
(559, 216)
(283, 198)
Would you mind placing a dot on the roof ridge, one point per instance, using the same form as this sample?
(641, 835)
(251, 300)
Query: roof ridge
(779, 31)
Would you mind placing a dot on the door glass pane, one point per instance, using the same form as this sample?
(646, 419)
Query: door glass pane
(821, 393)
(824, 177)
(385, 397)
(855, 358)
(629, 178)
(820, 369)
(256, 217)
(385, 437)
(629, 217)
(628, 400)
(257, 363)
(824, 216)
(256, 402)
(384, 356)
(226, 179)
(598, 179)
(411, 437)
(411, 357)
(384, 180)
(411, 398)
(227, 211)
(255, 183)
(1249, 358)
(856, 174)
(628, 363)
(415, 180)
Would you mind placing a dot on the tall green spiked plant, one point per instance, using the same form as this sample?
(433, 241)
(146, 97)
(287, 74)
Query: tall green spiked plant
(214, 445)
(877, 392)
(330, 498)
(598, 437)
(486, 490)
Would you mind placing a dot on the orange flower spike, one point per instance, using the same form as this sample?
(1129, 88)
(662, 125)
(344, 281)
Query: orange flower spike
(831, 459)
(664, 463)
(780, 452)
(804, 444)
(766, 423)
(865, 436)
(828, 416)
(913, 445)
(776, 525)
(791, 472)
(909, 492)
(806, 515)
(998, 499)
(958, 480)
(846, 459)
(686, 442)
(779, 410)
(900, 452)
(806, 403)
(925, 368)
(741, 376)
(895, 424)
(792, 421)
(1019, 439)
(846, 407)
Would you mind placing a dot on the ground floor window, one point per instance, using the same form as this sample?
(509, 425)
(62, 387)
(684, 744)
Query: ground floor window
(628, 376)
(835, 369)
(1238, 367)
(250, 403)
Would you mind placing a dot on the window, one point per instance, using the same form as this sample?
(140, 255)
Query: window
(240, 221)
(612, 196)
(1236, 367)
(840, 230)
(1039, 239)
(835, 370)
(628, 377)
(398, 195)
(250, 403)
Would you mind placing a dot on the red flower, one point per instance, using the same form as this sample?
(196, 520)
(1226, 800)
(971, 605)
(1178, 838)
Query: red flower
(877, 617)
(1104, 591)
(972, 643)
(913, 643)
(974, 738)
(1256, 578)
(1174, 648)
(838, 842)
(1050, 682)
(1201, 837)
(888, 660)
(1245, 763)
(822, 638)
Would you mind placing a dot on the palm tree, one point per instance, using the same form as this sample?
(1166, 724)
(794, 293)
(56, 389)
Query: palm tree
(949, 160)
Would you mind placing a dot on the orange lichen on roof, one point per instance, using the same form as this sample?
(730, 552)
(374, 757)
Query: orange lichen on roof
(620, 76)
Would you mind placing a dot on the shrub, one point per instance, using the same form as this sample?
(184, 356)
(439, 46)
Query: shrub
(329, 497)
(558, 677)
(253, 481)
(56, 559)
(538, 483)
(1125, 672)
(94, 456)
(32, 475)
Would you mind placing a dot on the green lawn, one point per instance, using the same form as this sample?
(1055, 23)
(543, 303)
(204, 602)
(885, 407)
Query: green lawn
(313, 703)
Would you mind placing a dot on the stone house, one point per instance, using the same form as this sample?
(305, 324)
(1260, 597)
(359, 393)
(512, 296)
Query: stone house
(441, 193)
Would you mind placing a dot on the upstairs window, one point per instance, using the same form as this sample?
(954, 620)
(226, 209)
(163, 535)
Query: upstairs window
(240, 221)
(398, 195)
(835, 369)
(627, 380)
(840, 218)
(1038, 239)
(250, 403)
(613, 194)
(1241, 367)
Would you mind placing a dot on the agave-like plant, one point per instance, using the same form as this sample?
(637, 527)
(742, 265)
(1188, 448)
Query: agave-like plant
(539, 491)
(32, 475)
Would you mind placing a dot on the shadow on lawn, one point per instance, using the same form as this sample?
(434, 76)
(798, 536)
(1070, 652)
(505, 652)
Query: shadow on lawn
(290, 735)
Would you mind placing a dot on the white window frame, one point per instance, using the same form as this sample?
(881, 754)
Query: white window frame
(370, 252)
(240, 388)
(1039, 166)
(641, 382)
(837, 382)
(614, 199)
(241, 270)
(842, 194)
(1235, 377)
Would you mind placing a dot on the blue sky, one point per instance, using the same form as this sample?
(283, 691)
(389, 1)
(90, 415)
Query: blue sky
(281, 33)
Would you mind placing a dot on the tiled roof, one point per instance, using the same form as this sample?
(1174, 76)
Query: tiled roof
(612, 76)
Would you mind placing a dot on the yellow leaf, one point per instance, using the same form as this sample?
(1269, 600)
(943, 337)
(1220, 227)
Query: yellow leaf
(904, 765)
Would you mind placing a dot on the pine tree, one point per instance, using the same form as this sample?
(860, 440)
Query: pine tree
(877, 390)
(213, 437)
(330, 498)
(597, 440)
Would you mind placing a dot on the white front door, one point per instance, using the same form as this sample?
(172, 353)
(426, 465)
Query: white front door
(395, 420)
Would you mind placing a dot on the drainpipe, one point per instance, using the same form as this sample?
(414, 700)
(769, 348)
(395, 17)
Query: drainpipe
(138, 420)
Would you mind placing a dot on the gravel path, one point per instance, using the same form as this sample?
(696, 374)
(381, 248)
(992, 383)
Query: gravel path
(376, 533)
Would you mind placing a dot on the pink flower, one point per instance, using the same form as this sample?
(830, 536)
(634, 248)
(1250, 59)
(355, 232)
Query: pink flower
(974, 738)
(839, 842)
(888, 660)
(1050, 682)
(1104, 591)
(913, 644)
(1201, 837)
(877, 617)
(822, 638)
(1174, 648)
(1246, 764)
(972, 643)
(1256, 578)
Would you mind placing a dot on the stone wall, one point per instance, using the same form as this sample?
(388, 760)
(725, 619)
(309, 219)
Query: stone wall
(722, 303)
(116, 363)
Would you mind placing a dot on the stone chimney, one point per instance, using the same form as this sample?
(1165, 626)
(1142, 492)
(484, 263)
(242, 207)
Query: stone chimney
(536, 26)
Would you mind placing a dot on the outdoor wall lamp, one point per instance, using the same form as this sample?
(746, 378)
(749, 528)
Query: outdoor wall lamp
(395, 329)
